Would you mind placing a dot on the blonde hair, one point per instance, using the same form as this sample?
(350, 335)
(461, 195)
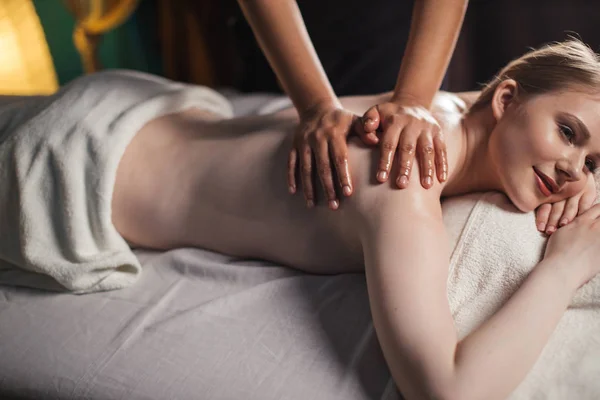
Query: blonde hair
(555, 66)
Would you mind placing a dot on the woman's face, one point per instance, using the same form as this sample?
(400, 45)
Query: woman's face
(545, 148)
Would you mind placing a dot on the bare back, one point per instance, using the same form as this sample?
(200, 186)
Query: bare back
(191, 180)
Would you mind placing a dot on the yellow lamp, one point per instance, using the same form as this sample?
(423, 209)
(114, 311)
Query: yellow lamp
(26, 67)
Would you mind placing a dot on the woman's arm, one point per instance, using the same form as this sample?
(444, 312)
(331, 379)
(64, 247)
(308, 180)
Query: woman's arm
(405, 120)
(281, 33)
(324, 124)
(407, 279)
(435, 26)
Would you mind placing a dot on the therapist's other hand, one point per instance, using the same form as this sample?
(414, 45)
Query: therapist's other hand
(321, 136)
(550, 217)
(407, 129)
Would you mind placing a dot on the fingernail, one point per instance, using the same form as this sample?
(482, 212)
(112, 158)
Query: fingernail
(292, 189)
(347, 190)
(381, 176)
(541, 227)
(368, 121)
(563, 222)
(403, 180)
(550, 230)
(444, 176)
(310, 203)
(333, 204)
(428, 181)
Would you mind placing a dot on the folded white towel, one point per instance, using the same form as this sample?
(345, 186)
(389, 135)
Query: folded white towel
(58, 160)
(497, 249)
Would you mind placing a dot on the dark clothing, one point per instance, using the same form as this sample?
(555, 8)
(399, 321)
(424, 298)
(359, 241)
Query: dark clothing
(360, 44)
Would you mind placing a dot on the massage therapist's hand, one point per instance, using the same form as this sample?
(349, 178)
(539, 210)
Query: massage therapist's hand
(406, 127)
(322, 134)
(576, 246)
(549, 217)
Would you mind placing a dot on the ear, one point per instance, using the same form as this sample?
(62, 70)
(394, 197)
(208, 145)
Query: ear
(504, 95)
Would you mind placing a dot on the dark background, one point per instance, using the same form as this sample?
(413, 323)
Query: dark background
(359, 42)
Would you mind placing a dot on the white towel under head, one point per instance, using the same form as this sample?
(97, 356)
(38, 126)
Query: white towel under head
(496, 250)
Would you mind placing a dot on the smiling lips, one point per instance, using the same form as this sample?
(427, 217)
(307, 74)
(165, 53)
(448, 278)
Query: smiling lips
(546, 184)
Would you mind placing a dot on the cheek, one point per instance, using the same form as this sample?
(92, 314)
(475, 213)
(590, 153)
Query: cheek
(521, 141)
(548, 147)
(506, 147)
(532, 140)
(574, 188)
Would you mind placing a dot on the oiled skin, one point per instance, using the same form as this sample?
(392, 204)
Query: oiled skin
(191, 179)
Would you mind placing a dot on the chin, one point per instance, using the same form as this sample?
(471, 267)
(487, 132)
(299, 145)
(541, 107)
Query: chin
(523, 191)
(524, 200)
(525, 206)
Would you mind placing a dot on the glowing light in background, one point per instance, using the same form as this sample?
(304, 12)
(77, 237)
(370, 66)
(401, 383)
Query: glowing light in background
(26, 66)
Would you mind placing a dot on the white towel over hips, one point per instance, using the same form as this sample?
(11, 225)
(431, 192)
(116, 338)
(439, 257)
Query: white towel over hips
(58, 160)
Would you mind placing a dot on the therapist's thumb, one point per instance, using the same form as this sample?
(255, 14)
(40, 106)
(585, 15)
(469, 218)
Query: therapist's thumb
(370, 124)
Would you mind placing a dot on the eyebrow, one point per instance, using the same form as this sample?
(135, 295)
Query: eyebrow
(580, 125)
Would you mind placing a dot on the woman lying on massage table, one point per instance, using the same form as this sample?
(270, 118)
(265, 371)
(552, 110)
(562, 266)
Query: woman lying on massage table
(194, 178)
(534, 134)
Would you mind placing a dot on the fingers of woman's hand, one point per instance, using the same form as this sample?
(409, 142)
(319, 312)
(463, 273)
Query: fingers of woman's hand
(441, 155)
(570, 211)
(306, 175)
(370, 139)
(369, 124)
(541, 216)
(555, 213)
(588, 197)
(319, 140)
(292, 163)
(325, 174)
(591, 214)
(425, 148)
(411, 131)
(339, 151)
(406, 157)
(586, 202)
(388, 145)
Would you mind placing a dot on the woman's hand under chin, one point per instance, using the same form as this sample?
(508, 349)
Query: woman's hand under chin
(551, 216)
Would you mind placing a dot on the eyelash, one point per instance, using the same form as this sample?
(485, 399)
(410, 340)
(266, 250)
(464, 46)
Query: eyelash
(592, 165)
(567, 133)
(570, 136)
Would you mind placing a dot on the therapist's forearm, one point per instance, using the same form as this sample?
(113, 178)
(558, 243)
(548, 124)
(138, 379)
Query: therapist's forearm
(282, 35)
(434, 30)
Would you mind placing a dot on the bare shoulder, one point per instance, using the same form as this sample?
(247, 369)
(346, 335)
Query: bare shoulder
(371, 197)
(444, 102)
(453, 103)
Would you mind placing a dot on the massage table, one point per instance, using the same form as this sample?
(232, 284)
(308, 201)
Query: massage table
(201, 325)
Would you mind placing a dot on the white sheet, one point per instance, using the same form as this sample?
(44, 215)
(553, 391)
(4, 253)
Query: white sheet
(197, 325)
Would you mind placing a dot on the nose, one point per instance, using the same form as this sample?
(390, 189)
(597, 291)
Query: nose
(572, 169)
